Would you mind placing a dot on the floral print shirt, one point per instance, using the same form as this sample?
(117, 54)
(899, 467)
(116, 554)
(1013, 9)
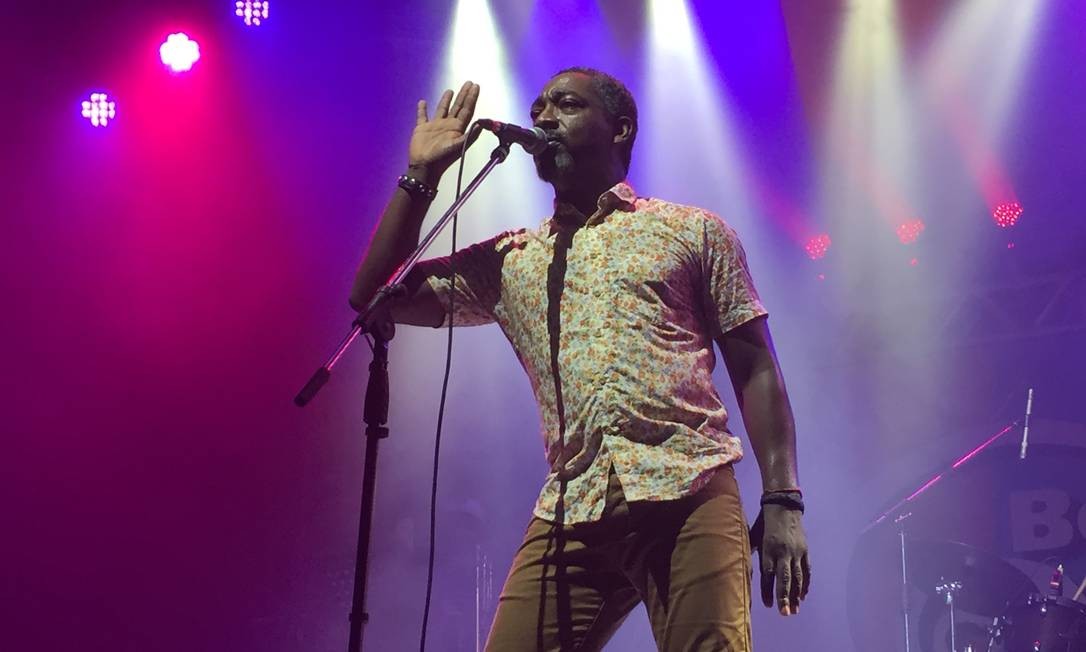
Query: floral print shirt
(614, 320)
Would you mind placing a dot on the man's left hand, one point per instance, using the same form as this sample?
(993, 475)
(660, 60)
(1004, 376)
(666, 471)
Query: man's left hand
(778, 537)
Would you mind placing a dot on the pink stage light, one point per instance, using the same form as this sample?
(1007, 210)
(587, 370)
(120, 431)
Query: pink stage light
(908, 232)
(818, 246)
(99, 109)
(179, 52)
(251, 12)
(1006, 214)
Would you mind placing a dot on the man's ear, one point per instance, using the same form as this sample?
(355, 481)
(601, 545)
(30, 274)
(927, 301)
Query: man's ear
(624, 130)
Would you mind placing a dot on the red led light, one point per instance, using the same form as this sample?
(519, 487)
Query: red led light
(818, 246)
(1006, 214)
(908, 232)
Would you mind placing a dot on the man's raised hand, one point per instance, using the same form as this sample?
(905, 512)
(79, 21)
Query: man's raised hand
(437, 141)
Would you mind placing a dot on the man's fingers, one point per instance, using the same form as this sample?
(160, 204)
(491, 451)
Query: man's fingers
(458, 103)
(443, 105)
(805, 563)
(784, 585)
(767, 579)
(467, 111)
(420, 113)
(798, 581)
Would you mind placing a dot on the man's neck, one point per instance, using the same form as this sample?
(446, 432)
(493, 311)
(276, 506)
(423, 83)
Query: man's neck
(585, 193)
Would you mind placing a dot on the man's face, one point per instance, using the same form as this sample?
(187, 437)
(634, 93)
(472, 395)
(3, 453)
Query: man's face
(578, 125)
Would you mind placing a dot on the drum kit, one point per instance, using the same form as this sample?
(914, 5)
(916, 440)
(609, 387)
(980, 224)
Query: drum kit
(978, 582)
(959, 580)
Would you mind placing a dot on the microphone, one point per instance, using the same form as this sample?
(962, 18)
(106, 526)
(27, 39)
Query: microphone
(534, 140)
(1025, 429)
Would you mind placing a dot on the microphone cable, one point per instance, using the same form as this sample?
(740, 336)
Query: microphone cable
(470, 136)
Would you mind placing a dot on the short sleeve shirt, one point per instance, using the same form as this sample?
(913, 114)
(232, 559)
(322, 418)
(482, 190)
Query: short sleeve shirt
(614, 320)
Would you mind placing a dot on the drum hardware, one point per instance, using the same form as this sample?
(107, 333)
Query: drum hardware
(1055, 585)
(948, 590)
(988, 583)
(1078, 593)
(900, 523)
(973, 582)
(1039, 623)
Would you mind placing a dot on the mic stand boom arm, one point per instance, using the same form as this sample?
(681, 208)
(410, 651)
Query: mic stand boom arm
(376, 402)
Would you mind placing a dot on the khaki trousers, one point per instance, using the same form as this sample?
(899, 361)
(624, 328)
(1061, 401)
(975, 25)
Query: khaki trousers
(570, 587)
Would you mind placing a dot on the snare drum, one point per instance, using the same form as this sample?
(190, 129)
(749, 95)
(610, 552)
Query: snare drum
(1043, 624)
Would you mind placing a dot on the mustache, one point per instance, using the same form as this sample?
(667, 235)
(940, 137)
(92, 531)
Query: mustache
(554, 143)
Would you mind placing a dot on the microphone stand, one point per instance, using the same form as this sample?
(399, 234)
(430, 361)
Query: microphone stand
(374, 319)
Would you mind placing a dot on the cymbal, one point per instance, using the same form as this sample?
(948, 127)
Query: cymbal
(989, 583)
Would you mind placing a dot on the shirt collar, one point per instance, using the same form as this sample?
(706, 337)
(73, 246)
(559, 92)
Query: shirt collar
(620, 196)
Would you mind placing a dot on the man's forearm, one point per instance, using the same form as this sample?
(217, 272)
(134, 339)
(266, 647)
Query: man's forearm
(767, 415)
(396, 236)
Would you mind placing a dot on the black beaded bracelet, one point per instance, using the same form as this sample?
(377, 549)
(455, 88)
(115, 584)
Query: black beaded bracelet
(788, 499)
(416, 188)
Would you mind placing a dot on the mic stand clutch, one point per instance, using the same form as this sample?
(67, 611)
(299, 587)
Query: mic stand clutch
(375, 320)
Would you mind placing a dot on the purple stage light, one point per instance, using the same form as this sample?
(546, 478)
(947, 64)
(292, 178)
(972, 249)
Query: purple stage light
(818, 246)
(99, 109)
(252, 12)
(179, 52)
(1006, 215)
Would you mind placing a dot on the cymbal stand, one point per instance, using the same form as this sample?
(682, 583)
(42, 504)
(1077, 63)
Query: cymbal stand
(900, 522)
(949, 589)
(898, 514)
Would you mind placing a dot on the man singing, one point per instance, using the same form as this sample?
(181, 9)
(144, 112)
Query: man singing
(612, 306)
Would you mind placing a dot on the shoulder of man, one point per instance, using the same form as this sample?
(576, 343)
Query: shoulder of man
(698, 221)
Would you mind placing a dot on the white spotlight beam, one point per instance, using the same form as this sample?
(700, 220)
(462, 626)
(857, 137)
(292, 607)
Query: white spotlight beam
(869, 142)
(684, 92)
(511, 197)
(981, 53)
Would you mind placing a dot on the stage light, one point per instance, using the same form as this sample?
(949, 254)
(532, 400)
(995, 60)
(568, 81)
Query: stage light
(818, 246)
(179, 52)
(99, 109)
(251, 12)
(908, 232)
(1006, 214)
(871, 158)
(475, 50)
(683, 87)
(1000, 40)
